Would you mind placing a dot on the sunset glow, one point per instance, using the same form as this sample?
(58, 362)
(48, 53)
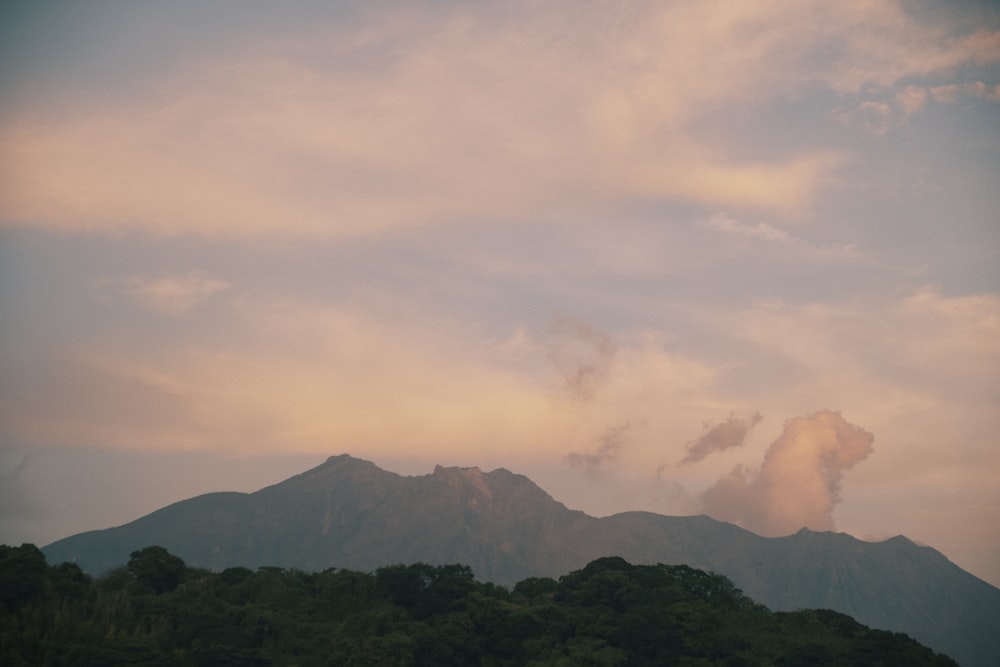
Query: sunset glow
(722, 257)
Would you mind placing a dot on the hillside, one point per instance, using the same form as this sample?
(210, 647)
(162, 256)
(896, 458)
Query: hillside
(348, 513)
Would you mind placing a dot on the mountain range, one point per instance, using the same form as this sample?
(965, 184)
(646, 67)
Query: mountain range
(348, 513)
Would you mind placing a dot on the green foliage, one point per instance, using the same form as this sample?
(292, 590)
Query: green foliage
(155, 569)
(22, 573)
(158, 611)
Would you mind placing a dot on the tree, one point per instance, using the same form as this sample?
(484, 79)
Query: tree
(156, 569)
(22, 574)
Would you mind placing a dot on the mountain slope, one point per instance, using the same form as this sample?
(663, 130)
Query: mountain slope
(349, 513)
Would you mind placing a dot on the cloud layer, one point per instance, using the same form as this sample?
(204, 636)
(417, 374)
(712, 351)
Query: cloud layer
(376, 125)
(482, 233)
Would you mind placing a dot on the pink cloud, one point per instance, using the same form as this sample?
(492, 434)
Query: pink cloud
(798, 484)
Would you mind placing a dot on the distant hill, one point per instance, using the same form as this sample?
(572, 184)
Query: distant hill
(349, 513)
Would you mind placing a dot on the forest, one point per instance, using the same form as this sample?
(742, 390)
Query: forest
(156, 610)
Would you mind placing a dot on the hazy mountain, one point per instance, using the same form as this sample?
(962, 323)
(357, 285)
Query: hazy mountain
(348, 513)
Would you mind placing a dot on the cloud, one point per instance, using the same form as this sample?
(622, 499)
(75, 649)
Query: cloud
(798, 484)
(951, 93)
(733, 432)
(761, 230)
(321, 377)
(764, 232)
(378, 124)
(878, 117)
(873, 118)
(83, 399)
(877, 47)
(909, 352)
(582, 355)
(607, 451)
(168, 294)
(911, 99)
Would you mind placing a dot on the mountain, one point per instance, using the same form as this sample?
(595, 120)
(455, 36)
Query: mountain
(348, 513)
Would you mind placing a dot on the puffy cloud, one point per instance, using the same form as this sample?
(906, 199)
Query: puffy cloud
(911, 99)
(798, 484)
(733, 432)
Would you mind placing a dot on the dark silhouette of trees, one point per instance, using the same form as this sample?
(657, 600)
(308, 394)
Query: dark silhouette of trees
(157, 611)
(155, 569)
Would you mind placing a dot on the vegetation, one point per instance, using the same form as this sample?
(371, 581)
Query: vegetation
(157, 611)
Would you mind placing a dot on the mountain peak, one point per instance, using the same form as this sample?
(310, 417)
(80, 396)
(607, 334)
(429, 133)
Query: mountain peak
(343, 460)
(472, 471)
(349, 513)
(472, 478)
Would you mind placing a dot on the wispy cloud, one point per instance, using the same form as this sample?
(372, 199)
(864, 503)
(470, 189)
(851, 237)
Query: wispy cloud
(764, 232)
(761, 230)
(977, 90)
(727, 434)
(872, 117)
(877, 117)
(607, 450)
(312, 135)
(167, 294)
(581, 354)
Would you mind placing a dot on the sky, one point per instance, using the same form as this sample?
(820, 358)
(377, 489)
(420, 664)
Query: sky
(727, 257)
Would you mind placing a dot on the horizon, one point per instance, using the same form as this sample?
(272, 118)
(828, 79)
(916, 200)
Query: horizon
(709, 258)
(434, 470)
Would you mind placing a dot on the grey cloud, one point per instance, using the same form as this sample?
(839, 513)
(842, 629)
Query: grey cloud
(733, 432)
(607, 451)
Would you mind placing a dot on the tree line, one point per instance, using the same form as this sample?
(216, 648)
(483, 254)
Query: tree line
(156, 610)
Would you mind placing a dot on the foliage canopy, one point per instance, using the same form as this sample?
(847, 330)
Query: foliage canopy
(157, 611)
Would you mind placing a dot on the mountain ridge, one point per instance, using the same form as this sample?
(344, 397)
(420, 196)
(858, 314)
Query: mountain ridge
(349, 513)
